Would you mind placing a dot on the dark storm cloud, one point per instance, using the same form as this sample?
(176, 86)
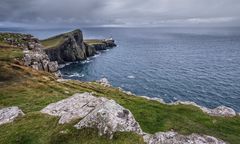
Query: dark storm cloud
(120, 12)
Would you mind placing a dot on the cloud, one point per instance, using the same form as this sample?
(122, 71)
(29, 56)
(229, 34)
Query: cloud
(116, 12)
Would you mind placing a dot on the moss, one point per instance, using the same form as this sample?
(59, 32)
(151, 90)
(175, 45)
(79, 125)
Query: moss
(33, 90)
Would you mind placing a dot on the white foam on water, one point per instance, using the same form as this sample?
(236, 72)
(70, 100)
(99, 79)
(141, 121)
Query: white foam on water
(131, 77)
(76, 75)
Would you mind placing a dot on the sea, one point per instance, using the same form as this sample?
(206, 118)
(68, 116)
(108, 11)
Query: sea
(199, 64)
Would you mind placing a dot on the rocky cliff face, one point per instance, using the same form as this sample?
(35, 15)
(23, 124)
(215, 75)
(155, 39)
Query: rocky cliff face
(34, 55)
(70, 47)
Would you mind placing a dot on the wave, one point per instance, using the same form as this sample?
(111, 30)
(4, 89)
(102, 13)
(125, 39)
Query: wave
(76, 75)
(131, 77)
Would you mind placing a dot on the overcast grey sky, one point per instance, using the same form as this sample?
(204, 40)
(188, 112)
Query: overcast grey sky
(120, 12)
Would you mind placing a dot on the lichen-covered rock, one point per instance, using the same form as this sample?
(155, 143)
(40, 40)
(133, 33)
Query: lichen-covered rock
(104, 82)
(34, 55)
(110, 117)
(105, 115)
(77, 106)
(36, 58)
(53, 66)
(175, 138)
(222, 111)
(9, 114)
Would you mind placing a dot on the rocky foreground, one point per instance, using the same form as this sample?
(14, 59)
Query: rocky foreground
(108, 117)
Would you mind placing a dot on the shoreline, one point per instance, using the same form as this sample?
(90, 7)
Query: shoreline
(221, 110)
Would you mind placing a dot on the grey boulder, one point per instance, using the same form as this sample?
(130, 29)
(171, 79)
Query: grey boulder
(9, 114)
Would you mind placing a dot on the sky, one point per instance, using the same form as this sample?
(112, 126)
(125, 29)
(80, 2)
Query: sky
(125, 13)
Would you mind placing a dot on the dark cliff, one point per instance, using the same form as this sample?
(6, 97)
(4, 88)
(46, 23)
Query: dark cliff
(67, 47)
(70, 47)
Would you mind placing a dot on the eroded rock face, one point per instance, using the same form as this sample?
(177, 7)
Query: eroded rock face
(9, 114)
(175, 138)
(110, 117)
(35, 57)
(71, 49)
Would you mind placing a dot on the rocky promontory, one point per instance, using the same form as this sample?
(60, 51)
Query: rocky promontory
(70, 47)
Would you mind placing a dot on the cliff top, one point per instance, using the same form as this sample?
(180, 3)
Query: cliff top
(57, 40)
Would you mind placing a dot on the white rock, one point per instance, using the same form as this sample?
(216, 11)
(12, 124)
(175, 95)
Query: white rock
(175, 138)
(105, 115)
(110, 117)
(77, 106)
(9, 114)
(104, 82)
(222, 111)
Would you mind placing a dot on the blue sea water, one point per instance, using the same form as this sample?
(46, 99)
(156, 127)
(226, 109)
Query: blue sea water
(189, 64)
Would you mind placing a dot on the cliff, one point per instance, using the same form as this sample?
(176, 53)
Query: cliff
(31, 49)
(70, 47)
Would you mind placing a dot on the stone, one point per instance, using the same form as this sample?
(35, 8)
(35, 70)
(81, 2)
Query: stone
(96, 112)
(53, 66)
(104, 82)
(109, 118)
(222, 111)
(175, 138)
(9, 114)
(77, 106)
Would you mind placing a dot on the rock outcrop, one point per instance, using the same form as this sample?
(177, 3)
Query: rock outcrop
(175, 138)
(9, 114)
(77, 106)
(109, 117)
(34, 55)
(222, 111)
(104, 82)
(105, 115)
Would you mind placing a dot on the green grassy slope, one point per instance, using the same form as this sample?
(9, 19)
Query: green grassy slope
(33, 90)
(53, 42)
(94, 41)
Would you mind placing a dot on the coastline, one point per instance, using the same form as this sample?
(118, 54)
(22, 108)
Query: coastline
(95, 105)
(220, 110)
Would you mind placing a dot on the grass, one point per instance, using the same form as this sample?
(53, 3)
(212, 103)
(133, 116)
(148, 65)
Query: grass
(32, 90)
(93, 41)
(53, 42)
(8, 54)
